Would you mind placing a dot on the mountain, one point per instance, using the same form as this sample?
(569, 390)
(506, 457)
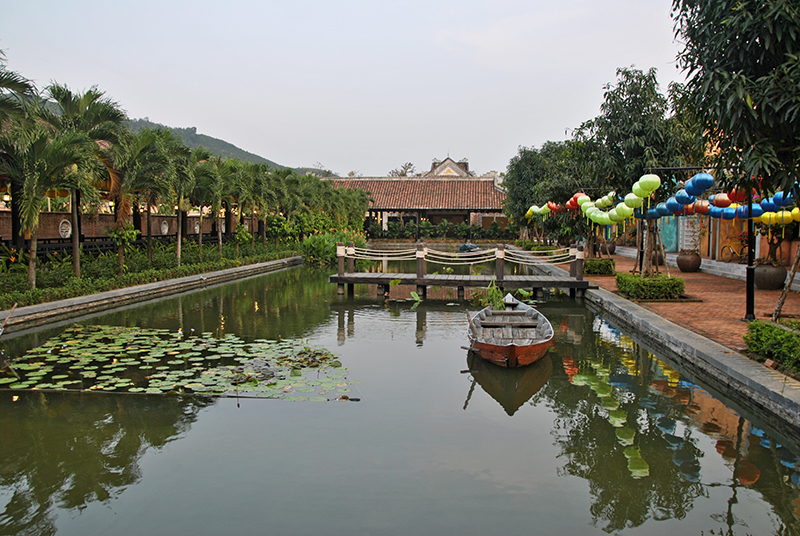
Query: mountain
(192, 139)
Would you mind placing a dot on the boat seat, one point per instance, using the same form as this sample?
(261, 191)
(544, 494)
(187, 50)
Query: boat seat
(503, 323)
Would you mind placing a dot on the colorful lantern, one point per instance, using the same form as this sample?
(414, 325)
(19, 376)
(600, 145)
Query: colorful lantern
(769, 205)
(728, 213)
(738, 195)
(634, 201)
(583, 199)
(662, 209)
(720, 200)
(703, 181)
(683, 198)
(744, 211)
(701, 206)
(692, 189)
(650, 182)
(796, 214)
(673, 206)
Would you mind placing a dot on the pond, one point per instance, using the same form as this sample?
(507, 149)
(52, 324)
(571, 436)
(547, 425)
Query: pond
(402, 431)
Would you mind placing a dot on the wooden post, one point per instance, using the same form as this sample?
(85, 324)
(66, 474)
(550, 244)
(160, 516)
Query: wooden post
(579, 264)
(573, 253)
(499, 265)
(351, 260)
(340, 251)
(421, 289)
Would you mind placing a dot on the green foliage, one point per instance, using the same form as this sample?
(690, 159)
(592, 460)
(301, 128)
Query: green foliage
(394, 229)
(743, 62)
(320, 249)
(490, 296)
(426, 229)
(774, 342)
(443, 228)
(99, 273)
(410, 230)
(599, 267)
(242, 235)
(659, 287)
(122, 235)
(192, 139)
(375, 229)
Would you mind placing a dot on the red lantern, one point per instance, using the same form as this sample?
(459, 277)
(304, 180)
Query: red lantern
(576, 196)
(738, 195)
(571, 204)
(688, 210)
(702, 206)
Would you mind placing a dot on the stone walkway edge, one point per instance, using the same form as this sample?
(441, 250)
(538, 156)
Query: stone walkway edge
(770, 393)
(49, 312)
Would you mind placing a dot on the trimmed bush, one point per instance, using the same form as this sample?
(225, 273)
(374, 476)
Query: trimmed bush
(781, 344)
(599, 267)
(659, 287)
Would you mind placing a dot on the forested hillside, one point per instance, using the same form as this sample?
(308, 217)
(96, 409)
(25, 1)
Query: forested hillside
(192, 140)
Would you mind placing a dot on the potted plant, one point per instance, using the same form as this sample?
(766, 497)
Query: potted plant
(769, 273)
(689, 259)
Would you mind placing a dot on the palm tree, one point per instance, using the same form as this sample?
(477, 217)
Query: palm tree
(39, 161)
(101, 120)
(139, 165)
(16, 94)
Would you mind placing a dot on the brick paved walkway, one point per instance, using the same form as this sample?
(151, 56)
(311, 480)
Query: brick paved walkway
(719, 315)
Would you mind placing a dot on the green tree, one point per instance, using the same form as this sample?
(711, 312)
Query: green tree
(100, 120)
(743, 63)
(39, 161)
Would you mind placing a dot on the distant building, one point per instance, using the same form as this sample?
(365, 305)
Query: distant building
(448, 191)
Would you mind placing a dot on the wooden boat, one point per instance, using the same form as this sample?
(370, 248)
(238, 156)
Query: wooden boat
(514, 337)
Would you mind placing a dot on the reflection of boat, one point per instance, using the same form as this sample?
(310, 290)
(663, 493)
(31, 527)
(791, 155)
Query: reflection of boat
(510, 388)
(514, 337)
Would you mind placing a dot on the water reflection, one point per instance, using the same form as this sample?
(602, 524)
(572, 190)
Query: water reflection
(599, 420)
(65, 451)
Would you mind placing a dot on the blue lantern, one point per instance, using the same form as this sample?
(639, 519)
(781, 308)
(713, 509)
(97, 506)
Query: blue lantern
(769, 205)
(692, 189)
(652, 214)
(715, 212)
(703, 181)
(673, 205)
(783, 199)
(728, 213)
(684, 198)
(662, 209)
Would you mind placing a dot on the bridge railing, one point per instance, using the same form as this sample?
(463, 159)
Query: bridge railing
(574, 256)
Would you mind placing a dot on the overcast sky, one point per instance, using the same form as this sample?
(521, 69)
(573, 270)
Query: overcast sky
(355, 85)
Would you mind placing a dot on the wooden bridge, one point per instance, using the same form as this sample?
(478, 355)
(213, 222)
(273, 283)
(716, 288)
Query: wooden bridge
(347, 275)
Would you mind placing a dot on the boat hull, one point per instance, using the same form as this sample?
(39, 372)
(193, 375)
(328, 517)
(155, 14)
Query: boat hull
(511, 356)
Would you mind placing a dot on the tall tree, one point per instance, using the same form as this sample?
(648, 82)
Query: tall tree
(743, 63)
(39, 161)
(100, 120)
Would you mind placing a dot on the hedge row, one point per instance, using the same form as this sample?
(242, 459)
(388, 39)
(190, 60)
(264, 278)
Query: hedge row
(658, 287)
(599, 267)
(774, 342)
(74, 287)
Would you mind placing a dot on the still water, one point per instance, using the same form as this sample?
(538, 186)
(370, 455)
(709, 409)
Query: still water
(600, 437)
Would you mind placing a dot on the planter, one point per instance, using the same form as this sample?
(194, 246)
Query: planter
(608, 248)
(769, 277)
(688, 262)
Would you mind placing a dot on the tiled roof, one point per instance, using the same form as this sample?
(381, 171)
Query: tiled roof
(392, 193)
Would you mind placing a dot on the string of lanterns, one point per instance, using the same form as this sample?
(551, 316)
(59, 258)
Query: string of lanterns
(686, 202)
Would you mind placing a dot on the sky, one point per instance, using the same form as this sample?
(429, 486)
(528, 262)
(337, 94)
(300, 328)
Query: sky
(357, 86)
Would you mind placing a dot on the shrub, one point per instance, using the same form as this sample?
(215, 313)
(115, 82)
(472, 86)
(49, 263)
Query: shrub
(659, 287)
(774, 342)
(599, 267)
(320, 249)
(426, 229)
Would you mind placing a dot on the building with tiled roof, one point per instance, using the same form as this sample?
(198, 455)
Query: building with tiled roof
(448, 191)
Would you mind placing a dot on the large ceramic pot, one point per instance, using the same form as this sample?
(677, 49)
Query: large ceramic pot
(608, 248)
(657, 258)
(688, 262)
(769, 277)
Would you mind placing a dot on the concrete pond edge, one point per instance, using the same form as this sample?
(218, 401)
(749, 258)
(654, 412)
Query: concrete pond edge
(50, 312)
(771, 395)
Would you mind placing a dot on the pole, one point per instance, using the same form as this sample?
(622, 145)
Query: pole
(750, 283)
